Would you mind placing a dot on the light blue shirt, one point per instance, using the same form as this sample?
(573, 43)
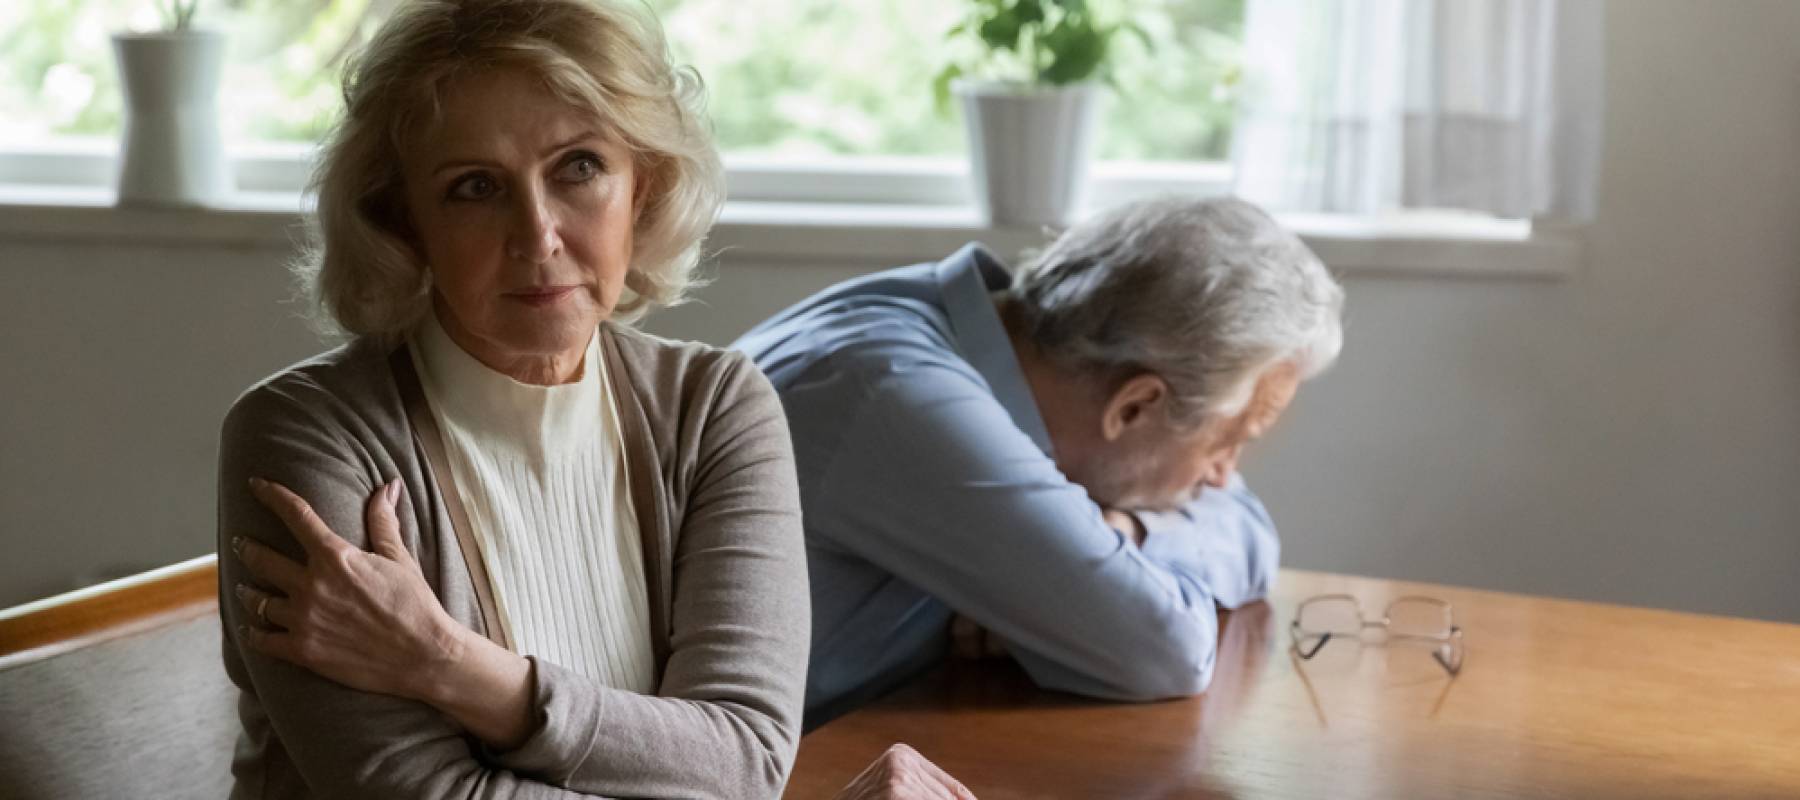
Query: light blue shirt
(929, 489)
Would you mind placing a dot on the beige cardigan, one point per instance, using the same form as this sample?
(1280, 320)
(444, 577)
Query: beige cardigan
(720, 516)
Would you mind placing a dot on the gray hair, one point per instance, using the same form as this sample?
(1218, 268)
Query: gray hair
(1206, 293)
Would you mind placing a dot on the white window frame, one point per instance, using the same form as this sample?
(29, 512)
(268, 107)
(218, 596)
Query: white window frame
(881, 209)
(283, 167)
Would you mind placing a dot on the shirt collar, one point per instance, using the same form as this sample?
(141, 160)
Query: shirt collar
(536, 420)
(966, 278)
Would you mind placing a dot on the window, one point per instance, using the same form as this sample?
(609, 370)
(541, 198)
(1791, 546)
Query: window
(834, 88)
(809, 78)
(57, 77)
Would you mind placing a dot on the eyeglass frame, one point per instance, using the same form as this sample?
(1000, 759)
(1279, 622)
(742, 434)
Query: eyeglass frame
(1451, 641)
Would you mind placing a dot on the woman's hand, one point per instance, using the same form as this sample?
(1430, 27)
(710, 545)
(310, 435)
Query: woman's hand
(367, 620)
(901, 773)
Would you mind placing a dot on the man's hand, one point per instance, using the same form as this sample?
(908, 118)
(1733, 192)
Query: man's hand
(971, 641)
(902, 774)
(1126, 523)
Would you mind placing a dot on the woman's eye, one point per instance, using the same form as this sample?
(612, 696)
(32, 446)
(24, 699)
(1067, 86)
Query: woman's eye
(473, 187)
(580, 168)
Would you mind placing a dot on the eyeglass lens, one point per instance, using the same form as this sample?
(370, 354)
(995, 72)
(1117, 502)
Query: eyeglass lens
(1418, 617)
(1333, 615)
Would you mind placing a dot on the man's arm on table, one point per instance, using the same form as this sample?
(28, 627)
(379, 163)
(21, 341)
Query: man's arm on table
(936, 485)
(1224, 537)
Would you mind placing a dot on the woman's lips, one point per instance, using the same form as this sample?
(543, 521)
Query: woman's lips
(542, 295)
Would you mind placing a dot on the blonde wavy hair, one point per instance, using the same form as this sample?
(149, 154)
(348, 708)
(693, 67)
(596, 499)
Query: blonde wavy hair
(361, 268)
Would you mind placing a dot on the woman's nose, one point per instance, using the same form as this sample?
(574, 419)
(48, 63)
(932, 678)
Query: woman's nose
(533, 237)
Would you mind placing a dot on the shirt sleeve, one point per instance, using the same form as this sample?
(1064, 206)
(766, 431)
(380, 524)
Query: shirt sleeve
(1224, 539)
(936, 485)
(342, 742)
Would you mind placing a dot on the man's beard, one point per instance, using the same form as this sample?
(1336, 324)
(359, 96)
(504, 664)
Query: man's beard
(1119, 483)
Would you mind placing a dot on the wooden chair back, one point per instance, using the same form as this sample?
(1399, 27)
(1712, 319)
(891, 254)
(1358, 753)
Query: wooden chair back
(118, 690)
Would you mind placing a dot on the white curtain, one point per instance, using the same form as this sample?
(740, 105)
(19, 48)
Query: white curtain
(1373, 106)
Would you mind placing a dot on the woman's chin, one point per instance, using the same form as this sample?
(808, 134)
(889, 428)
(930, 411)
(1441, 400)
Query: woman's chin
(549, 333)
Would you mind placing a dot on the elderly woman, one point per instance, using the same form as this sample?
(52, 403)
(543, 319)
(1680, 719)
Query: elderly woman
(500, 545)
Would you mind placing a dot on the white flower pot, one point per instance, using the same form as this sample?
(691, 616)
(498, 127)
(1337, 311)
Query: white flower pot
(1029, 149)
(173, 153)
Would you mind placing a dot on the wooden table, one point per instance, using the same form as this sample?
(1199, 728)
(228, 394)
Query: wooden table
(1556, 699)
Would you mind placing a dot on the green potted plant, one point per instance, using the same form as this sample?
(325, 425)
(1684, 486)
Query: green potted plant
(1029, 74)
(173, 153)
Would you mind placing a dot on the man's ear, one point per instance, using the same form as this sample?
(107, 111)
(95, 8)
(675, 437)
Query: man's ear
(1139, 401)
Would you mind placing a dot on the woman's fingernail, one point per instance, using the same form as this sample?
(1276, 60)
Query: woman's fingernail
(241, 590)
(237, 545)
(257, 483)
(393, 493)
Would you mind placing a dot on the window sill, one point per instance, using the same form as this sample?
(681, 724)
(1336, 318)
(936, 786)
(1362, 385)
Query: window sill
(1418, 245)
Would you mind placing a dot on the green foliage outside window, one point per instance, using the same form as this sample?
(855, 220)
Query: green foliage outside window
(283, 60)
(178, 15)
(790, 77)
(1029, 42)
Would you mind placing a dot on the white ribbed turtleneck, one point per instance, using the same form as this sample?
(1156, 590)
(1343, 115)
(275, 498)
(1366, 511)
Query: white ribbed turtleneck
(541, 471)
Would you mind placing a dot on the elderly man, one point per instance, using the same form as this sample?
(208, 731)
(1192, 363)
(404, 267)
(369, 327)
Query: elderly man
(1049, 455)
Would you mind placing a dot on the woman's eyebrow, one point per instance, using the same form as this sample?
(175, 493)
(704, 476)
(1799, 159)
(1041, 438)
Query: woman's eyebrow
(570, 142)
(459, 163)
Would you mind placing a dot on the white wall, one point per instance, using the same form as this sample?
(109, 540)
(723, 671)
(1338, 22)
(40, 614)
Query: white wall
(116, 366)
(1630, 434)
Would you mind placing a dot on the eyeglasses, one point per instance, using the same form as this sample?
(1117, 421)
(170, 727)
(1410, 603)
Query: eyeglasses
(1336, 616)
